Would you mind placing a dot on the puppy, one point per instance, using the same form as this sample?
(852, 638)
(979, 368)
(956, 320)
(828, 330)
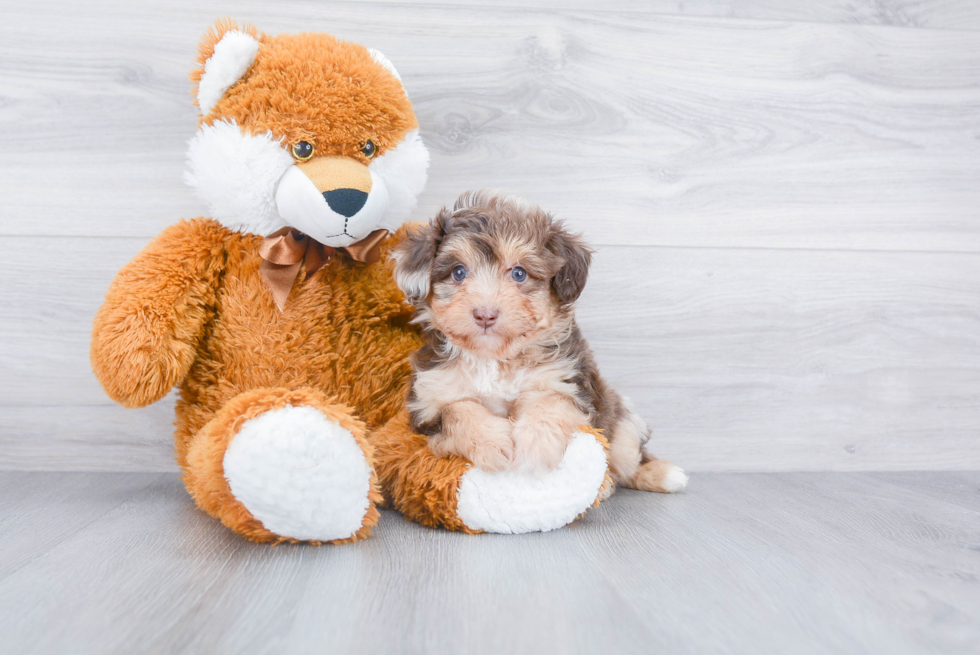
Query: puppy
(507, 377)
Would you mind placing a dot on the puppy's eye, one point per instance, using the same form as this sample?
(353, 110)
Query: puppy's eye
(459, 272)
(518, 273)
(303, 150)
(369, 150)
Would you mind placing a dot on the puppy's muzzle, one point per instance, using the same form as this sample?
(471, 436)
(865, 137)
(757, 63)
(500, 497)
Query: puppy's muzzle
(485, 317)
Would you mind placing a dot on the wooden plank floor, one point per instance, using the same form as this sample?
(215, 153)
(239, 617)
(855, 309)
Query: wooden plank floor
(741, 563)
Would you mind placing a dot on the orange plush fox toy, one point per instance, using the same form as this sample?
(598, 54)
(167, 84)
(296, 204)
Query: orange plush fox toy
(278, 317)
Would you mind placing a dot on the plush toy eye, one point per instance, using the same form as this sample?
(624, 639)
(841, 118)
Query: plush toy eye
(369, 150)
(459, 272)
(303, 150)
(518, 273)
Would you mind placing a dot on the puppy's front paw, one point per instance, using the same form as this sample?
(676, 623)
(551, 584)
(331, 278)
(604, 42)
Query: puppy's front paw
(488, 447)
(539, 446)
(494, 448)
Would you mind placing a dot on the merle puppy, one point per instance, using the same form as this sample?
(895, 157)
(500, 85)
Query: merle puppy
(507, 376)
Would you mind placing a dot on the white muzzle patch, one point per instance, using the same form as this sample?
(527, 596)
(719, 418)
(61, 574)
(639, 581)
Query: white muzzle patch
(304, 207)
(251, 184)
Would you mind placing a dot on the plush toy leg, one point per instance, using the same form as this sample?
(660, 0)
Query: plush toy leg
(449, 493)
(285, 465)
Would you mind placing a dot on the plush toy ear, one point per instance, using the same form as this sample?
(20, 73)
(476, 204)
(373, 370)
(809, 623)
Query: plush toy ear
(379, 57)
(414, 257)
(570, 279)
(225, 53)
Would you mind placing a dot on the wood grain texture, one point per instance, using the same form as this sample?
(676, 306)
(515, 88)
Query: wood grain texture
(644, 129)
(740, 359)
(947, 14)
(740, 563)
(39, 512)
(935, 14)
(786, 194)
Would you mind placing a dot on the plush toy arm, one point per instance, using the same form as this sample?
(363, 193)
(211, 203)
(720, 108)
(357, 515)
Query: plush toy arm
(448, 492)
(145, 335)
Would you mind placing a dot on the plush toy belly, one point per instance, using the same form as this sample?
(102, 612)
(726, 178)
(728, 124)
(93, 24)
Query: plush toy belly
(449, 493)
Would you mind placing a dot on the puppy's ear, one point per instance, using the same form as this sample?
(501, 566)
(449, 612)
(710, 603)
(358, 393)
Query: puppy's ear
(576, 256)
(414, 257)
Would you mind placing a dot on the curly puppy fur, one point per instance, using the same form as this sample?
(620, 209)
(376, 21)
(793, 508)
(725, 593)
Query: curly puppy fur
(506, 376)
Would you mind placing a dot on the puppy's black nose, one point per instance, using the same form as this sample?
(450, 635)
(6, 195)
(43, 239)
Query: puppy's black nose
(345, 202)
(485, 316)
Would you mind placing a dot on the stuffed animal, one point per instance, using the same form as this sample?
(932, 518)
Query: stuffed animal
(278, 317)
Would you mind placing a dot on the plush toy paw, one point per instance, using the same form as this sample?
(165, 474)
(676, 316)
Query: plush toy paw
(300, 474)
(514, 502)
(450, 492)
(285, 465)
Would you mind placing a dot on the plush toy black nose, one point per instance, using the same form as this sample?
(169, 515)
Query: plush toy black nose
(345, 202)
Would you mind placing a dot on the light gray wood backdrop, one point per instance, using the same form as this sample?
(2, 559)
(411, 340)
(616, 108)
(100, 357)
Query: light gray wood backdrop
(785, 198)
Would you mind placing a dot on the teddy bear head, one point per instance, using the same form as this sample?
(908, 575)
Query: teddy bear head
(303, 131)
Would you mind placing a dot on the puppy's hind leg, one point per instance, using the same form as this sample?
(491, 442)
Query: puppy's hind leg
(658, 475)
(633, 467)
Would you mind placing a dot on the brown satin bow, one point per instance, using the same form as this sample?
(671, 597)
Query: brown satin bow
(286, 250)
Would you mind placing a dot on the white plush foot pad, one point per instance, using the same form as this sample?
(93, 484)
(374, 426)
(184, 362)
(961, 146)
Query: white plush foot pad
(514, 503)
(300, 474)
